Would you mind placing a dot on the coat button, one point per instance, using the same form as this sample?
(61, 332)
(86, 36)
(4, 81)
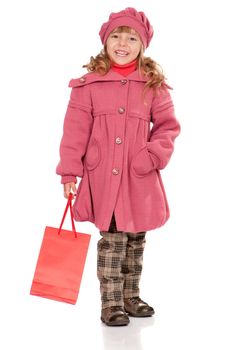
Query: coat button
(82, 80)
(118, 140)
(115, 171)
(121, 110)
(123, 81)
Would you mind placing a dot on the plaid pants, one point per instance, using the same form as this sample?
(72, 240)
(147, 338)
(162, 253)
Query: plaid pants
(119, 264)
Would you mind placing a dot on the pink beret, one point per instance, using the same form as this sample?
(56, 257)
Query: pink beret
(131, 18)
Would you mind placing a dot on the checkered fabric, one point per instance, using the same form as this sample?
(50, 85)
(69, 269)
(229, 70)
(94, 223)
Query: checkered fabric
(119, 264)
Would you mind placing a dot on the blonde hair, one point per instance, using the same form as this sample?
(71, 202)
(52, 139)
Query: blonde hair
(101, 64)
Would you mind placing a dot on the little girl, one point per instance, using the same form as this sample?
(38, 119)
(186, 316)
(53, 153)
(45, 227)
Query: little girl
(108, 143)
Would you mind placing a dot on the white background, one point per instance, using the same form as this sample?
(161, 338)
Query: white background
(187, 263)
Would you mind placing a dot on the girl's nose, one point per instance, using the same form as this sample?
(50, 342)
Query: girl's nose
(122, 41)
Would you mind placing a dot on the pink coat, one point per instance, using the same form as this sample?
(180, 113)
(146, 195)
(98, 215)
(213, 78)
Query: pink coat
(108, 142)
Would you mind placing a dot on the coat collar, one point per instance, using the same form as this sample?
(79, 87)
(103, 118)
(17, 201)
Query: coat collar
(91, 77)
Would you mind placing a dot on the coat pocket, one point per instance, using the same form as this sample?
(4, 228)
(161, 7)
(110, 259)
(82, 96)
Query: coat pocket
(141, 163)
(93, 154)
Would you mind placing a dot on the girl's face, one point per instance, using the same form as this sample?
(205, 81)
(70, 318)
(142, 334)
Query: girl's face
(123, 47)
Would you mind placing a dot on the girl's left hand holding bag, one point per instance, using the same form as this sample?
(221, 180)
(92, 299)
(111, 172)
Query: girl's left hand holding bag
(69, 187)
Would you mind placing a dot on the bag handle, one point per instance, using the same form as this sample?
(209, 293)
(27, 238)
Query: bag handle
(69, 205)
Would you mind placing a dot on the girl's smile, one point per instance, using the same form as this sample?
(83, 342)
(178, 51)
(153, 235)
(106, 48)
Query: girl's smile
(121, 53)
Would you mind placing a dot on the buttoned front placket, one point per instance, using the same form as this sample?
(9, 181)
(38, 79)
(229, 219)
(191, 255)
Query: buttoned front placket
(121, 113)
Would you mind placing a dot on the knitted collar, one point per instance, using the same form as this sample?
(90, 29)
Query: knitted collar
(124, 69)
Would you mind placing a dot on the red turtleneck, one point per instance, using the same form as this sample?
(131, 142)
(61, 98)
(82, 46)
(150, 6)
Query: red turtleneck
(124, 69)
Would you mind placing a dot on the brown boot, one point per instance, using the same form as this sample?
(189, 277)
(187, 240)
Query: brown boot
(137, 307)
(114, 316)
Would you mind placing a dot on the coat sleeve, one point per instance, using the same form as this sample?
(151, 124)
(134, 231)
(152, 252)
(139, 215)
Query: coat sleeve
(77, 129)
(165, 129)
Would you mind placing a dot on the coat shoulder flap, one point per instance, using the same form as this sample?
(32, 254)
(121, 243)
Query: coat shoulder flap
(86, 79)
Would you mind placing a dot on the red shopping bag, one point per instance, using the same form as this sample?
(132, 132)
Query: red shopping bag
(61, 261)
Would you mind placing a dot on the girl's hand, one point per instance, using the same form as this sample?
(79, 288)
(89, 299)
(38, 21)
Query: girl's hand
(69, 187)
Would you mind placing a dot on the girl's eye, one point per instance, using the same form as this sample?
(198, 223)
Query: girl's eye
(115, 36)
